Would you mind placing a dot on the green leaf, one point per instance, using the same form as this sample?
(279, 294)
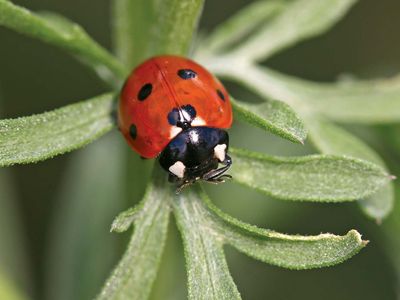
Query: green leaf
(208, 274)
(274, 116)
(241, 24)
(145, 28)
(331, 139)
(369, 102)
(288, 251)
(352, 101)
(301, 19)
(38, 137)
(365, 102)
(318, 178)
(60, 32)
(125, 219)
(205, 229)
(135, 273)
(92, 193)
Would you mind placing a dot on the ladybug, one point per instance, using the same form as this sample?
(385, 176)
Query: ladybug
(173, 108)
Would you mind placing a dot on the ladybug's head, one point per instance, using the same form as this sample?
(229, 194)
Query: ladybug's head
(195, 154)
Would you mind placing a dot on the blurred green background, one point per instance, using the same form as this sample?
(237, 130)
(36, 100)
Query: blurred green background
(55, 215)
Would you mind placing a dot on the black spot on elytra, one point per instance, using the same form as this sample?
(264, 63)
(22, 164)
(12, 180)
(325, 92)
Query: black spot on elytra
(133, 131)
(186, 74)
(145, 91)
(174, 117)
(221, 95)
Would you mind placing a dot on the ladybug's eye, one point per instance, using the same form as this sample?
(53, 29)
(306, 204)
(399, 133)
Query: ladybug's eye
(186, 74)
(145, 91)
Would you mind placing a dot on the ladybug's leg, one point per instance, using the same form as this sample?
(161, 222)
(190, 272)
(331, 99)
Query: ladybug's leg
(220, 179)
(217, 176)
(182, 186)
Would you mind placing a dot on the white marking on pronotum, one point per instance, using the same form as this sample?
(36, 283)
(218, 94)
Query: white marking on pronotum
(198, 122)
(219, 152)
(177, 169)
(174, 131)
(194, 136)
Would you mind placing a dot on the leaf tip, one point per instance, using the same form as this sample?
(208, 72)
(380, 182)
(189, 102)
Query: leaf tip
(124, 220)
(115, 228)
(118, 228)
(358, 237)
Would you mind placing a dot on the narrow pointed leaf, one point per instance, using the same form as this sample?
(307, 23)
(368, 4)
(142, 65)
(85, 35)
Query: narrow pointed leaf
(274, 116)
(301, 19)
(208, 274)
(331, 139)
(241, 24)
(135, 273)
(365, 102)
(60, 32)
(38, 137)
(370, 102)
(125, 219)
(353, 101)
(288, 251)
(317, 178)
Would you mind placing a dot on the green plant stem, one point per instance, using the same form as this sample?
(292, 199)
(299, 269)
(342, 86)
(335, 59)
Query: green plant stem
(135, 273)
(208, 274)
(134, 40)
(144, 28)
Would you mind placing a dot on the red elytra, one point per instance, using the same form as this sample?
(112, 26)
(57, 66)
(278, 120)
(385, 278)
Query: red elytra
(157, 87)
